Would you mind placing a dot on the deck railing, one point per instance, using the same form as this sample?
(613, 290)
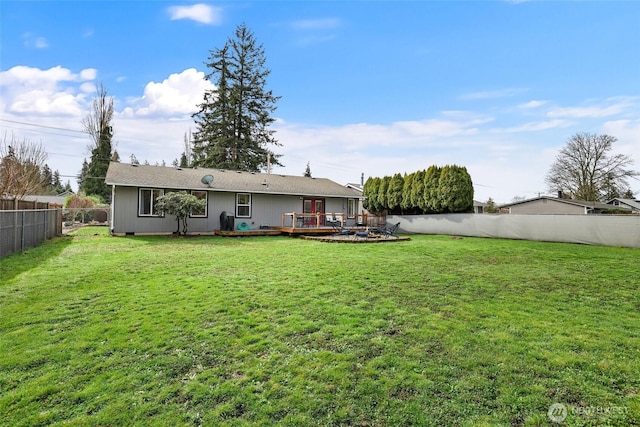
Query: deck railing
(295, 220)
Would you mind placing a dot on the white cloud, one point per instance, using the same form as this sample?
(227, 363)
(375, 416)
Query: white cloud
(35, 77)
(537, 126)
(88, 74)
(41, 43)
(316, 24)
(612, 107)
(177, 95)
(493, 94)
(314, 31)
(532, 104)
(32, 90)
(88, 87)
(202, 13)
(32, 41)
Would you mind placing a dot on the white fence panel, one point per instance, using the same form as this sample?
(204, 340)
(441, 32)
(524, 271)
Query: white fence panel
(607, 230)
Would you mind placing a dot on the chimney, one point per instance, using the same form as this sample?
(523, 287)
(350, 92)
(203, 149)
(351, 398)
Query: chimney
(362, 179)
(559, 194)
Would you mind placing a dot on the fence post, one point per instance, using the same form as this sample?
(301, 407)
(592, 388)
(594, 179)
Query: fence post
(22, 231)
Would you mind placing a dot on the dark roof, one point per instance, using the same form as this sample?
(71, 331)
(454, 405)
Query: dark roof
(128, 175)
(582, 203)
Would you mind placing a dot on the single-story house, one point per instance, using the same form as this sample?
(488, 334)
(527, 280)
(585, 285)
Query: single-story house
(57, 199)
(546, 205)
(633, 205)
(255, 200)
(478, 207)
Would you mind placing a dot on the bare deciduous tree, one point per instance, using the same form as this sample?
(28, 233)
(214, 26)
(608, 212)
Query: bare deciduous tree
(585, 168)
(20, 167)
(98, 125)
(98, 122)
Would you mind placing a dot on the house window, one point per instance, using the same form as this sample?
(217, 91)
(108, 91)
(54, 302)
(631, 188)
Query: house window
(351, 208)
(147, 201)
(243, 205)
(202, 195)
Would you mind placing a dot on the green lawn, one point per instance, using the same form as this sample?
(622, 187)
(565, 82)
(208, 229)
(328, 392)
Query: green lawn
(99, 330)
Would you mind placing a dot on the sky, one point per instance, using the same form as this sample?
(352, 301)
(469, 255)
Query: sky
(368, 88)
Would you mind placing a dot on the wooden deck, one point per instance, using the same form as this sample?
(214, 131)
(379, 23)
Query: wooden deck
(301, 224)
(275, 231)
(307, 231)
(246, 233)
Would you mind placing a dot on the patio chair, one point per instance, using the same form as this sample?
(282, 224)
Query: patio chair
(390, 230)
(379, 228)
(339, 230)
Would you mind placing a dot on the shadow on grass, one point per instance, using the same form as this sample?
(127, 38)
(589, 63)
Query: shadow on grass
(19, 262)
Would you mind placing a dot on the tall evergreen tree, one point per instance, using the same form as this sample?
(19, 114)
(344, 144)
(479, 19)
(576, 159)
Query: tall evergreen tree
(431, 195)
(98, 125)
(56, 185)
(370, 193)
(233, 120)
(455, 189)
(417, 190)
(382, 193)
(394, 191)
(307, 171)
(82, 176)
(184, 161)
(46, 178)
(406, 204)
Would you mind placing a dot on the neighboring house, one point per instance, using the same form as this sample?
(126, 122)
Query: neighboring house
(633, 205)
(545, 205)
(478, 207)
(356, 187)
(58, 199)
(256, 200)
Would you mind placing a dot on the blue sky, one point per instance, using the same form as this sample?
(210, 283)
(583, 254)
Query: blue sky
(367, 87)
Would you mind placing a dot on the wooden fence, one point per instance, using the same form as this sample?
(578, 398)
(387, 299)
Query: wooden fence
(26, 224)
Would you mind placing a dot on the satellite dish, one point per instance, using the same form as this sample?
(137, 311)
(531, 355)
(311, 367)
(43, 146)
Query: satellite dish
(207, 179)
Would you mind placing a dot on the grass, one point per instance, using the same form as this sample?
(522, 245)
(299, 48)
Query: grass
(97, 330)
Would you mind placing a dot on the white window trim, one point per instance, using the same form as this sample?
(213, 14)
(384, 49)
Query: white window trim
(152, 210)
(353, 214)
(238, 205)
(206, 206)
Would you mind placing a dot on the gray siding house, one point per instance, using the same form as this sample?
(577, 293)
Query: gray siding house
(545, 205)
(256, 200)
(624, 204)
